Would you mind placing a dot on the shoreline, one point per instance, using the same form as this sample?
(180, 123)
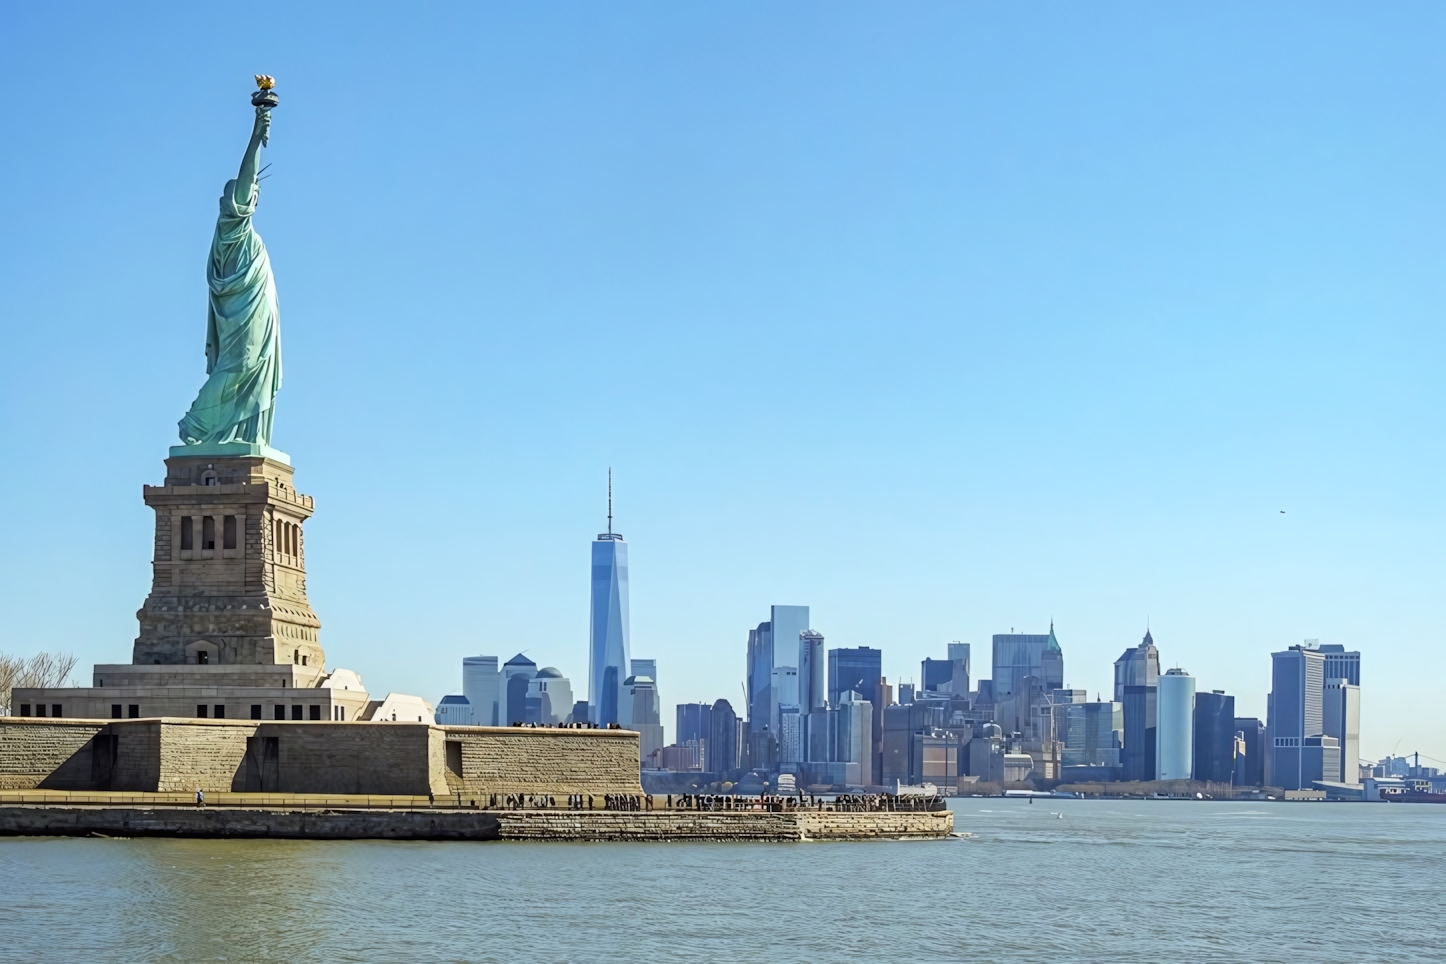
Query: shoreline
(442, 823)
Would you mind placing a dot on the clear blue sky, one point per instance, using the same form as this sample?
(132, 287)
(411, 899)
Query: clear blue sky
(941, 319)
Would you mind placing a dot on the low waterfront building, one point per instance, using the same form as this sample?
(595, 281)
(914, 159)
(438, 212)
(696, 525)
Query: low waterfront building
(1017, 767)
(400, 708)
(454, 710)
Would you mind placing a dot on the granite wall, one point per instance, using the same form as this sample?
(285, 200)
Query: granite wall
(501, 759)
(182, 755)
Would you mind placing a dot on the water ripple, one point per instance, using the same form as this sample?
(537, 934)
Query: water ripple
(1089, 881)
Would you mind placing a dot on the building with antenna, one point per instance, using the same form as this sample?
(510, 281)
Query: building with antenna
(1137, 674)
(608, 665)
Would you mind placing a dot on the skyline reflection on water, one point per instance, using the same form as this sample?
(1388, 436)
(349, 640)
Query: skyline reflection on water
(1056, 880)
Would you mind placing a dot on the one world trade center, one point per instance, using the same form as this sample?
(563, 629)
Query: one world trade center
(608, 629)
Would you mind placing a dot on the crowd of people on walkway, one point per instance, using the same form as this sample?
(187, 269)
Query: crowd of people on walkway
(584, 725)
(849, 802)
(887, 802)
(712, 802)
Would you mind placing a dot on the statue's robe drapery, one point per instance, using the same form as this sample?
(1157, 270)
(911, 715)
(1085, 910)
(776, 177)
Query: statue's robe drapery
(243, 335)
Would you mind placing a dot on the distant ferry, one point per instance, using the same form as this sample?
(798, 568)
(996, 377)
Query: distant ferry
(1414, 796)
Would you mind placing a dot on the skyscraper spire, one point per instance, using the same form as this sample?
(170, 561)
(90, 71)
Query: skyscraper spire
(610, 500)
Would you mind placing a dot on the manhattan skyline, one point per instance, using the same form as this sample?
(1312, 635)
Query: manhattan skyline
(944, 324)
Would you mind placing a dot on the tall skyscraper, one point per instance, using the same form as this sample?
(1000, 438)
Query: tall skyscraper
(790, 734)
(1137, 674)
(1341, 718)
(785, 693)
(774, 644)
(1250, 769)
(1021, 655)
(694, 722)
(812, 672)
(641, 704)
(722, 751)
(861, 670)
(760, 681)
(608, 629)
(947, 676)
(1300, 750)
(482, 686)
(853, 741)
(857, 670)
(1340, 664)
(1175, 726)
(1215, 737)
(789, 624)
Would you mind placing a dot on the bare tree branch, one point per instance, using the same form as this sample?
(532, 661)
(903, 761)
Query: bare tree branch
(43, 670)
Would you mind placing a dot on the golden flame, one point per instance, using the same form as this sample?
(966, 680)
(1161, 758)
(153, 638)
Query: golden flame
(265, 81)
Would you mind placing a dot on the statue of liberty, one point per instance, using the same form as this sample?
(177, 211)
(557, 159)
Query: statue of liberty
(243, 328)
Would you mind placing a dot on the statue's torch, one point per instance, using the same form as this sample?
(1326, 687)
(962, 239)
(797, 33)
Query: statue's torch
(264, 98)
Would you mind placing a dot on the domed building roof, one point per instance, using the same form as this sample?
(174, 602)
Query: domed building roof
(548, 672)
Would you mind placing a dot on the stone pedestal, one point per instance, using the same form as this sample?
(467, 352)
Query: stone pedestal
(229, 566)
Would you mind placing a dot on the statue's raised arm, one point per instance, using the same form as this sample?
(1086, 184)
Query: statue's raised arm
(232, 414)
(246, 177)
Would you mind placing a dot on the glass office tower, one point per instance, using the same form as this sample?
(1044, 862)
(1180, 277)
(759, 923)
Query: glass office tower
(1021, 655)
(1295, 717)
(854, 670)
(482, 685)
(608, 630)
(1137, 674)
(1215, 737)
(788, 624)
(1175, 726)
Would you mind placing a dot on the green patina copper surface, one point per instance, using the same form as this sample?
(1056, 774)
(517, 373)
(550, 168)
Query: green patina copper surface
(232, 415)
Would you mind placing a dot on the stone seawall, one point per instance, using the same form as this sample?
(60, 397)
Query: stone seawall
(210, 822)
(445, 824)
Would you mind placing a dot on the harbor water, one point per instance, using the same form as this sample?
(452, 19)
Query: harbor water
(1053, 880)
